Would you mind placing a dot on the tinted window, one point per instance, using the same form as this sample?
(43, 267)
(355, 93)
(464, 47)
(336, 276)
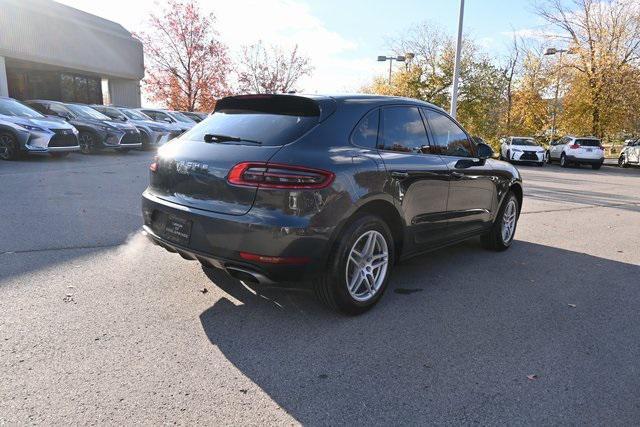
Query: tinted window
(9, 107)
(59, 110)
(366, 132)
(448, 137)
(269, 129)
(404, 130)
(38, 107)
(588, 142)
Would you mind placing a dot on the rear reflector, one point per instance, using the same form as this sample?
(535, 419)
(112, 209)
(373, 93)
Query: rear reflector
(272, 175)
(153, 167)
(263, 259)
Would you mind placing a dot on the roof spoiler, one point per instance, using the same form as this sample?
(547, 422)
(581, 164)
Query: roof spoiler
(289, 105)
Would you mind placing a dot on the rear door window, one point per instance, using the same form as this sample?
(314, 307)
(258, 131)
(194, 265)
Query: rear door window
(366, 132)
(403, 130)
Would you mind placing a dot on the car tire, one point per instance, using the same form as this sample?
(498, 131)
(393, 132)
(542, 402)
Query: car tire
(508, 159)
(622, 161)
(9, 148)
(87, 141)
(547, 157)
(352, 284)
(59, 155)
(563, 161)
(540, 164)
(498, 238)
(596, 166)
(146, 142)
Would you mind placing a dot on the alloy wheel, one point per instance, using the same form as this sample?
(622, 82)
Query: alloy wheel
(86, 143)
(367, 266)
(7, 147)
(509, 221)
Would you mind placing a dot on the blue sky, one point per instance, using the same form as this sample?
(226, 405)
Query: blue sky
(342, 38)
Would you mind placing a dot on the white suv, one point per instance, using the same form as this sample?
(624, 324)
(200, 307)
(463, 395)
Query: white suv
(573, 150)
(521, 149)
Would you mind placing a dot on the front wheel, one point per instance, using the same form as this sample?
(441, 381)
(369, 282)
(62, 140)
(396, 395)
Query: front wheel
(622, 161)
(9, 149)
(87, 143)
(500, 237)
(359, 268)
(547, 157)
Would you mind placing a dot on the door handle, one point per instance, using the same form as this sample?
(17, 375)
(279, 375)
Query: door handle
(400, 175)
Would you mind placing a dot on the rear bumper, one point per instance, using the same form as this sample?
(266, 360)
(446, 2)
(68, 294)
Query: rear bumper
(218, 239)
(586, 161)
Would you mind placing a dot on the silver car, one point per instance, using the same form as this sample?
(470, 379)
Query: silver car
(630, 154)
(175, 118)
(24, 130)
(153, 134)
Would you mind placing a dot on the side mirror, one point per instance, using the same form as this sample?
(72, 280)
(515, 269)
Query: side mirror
(484, 151)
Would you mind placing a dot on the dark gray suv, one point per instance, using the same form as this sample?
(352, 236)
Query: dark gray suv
(330, 190)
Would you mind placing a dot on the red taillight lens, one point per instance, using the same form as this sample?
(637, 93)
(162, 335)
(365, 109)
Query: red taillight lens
(264, 259)
(153, 167)
(272, 175)
(574, 146)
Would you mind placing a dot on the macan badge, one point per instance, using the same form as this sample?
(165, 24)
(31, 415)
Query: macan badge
(185, 168)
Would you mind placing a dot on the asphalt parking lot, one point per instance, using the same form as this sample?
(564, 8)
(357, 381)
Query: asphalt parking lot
(98, 326)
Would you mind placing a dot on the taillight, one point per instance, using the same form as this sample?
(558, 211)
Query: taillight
(574, 146)
(273, 175)
(153, 167)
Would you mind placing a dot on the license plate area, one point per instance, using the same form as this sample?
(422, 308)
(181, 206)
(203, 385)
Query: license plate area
(178, 230)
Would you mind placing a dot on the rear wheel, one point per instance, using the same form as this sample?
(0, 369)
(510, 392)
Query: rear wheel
(500, 237)
(9, 149)
(563, 161)
(359, 268)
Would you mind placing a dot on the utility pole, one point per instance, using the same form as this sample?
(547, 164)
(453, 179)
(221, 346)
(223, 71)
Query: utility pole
(553, 51)
(456, 67)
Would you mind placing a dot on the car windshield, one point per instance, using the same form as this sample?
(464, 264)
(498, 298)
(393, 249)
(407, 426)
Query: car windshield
(86, 112)
(588, 142)
(180, 117)
(135, 115)
(114, 113)
(10, 107)
(524, 141)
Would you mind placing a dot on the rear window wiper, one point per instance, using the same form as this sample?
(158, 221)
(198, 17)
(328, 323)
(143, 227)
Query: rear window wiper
(212, 137)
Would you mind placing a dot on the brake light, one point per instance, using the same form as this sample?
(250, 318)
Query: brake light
(153, 167)
(263, 259)
(273, 175)
(574, 146)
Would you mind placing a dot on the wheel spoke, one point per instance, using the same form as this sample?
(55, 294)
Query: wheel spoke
(356, 279)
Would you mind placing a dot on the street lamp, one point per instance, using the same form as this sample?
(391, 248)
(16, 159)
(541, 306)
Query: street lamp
(552, 51)
(398, 58)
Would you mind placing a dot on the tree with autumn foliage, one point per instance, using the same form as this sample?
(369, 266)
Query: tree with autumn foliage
(271, 69)
(187, 66)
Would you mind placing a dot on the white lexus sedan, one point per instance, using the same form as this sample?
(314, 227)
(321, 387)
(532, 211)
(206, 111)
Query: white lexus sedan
(521, 149)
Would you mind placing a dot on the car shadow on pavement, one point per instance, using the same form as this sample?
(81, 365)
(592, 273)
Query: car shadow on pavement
(453, 341)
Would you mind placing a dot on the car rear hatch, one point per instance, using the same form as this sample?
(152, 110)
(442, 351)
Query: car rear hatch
(193, 170)
(589, 148)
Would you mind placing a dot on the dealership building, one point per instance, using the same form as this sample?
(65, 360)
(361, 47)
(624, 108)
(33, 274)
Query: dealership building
(52, 51)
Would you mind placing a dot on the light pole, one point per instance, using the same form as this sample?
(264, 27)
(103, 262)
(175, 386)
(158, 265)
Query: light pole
(553, 51)
(456, 66)
(398, 58)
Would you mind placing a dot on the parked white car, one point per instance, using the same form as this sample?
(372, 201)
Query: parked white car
(577, 151)
(630, 154)
(521, 149)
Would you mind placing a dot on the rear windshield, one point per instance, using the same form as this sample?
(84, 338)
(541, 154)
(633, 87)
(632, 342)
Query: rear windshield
(268, 129)
(523, 141)
(588, 142)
